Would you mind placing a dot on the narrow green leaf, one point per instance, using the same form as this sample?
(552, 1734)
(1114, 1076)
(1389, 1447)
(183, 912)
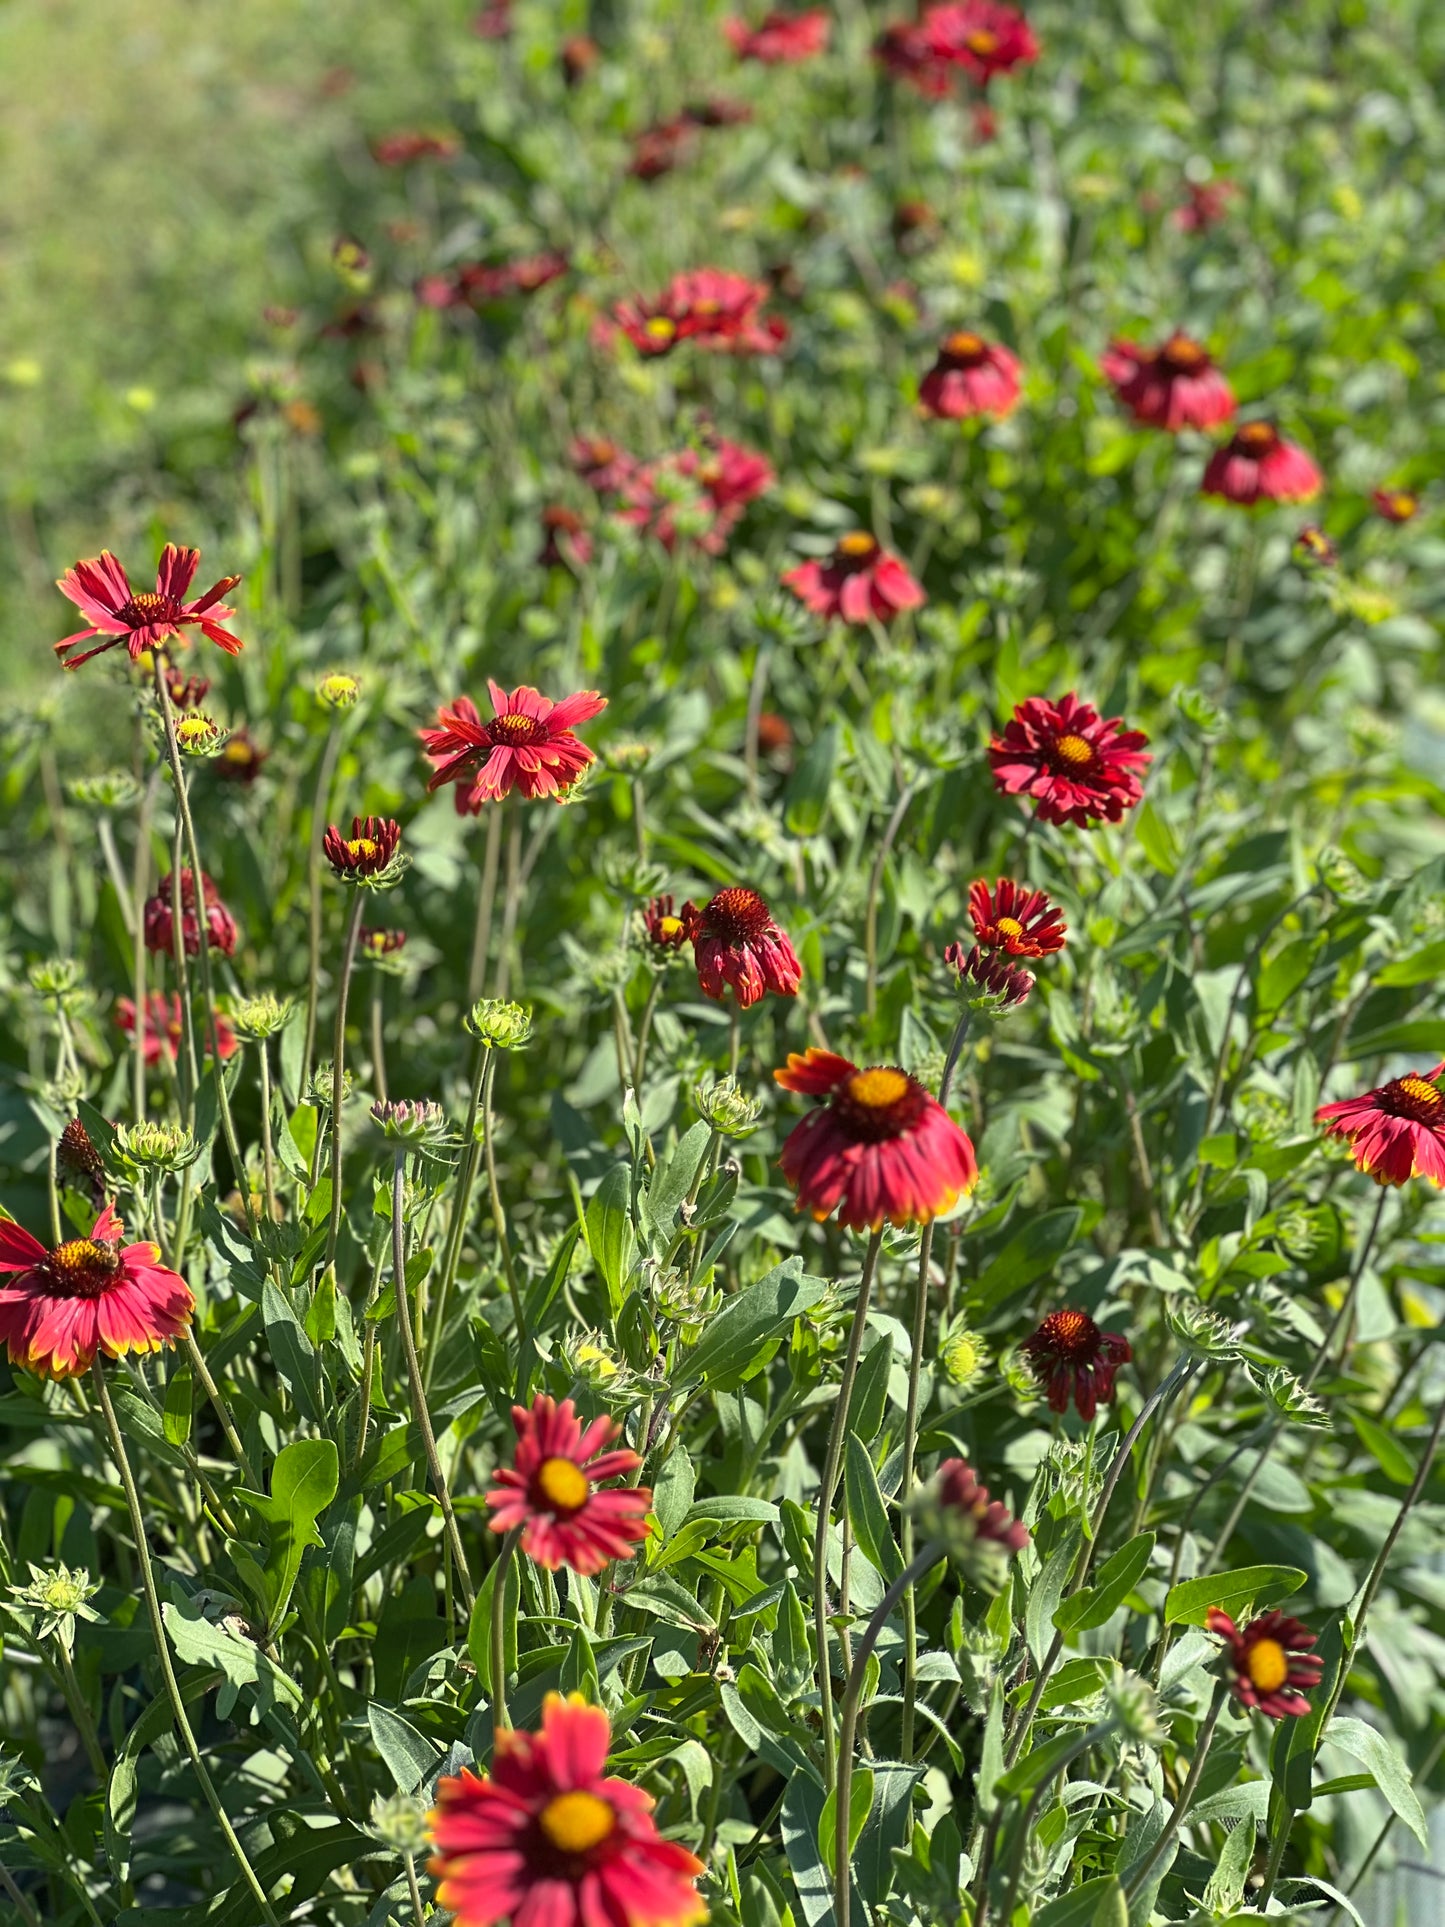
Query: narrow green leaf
(867, 1512)
(1117, 1579)
(1189, 1604)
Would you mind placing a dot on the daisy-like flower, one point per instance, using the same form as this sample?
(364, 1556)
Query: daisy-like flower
(59, 1307)
(186, 692)
(142, 618)
(1271, 1662)
(546, 1840)
(1396, 504)
(529, 745)
(665, 929)
(80, 1163)
(1072, 1359)
(1078, 767)
(1259, 465)
(722, 478)
(971, 377)
(709, 307)
(159, 918)
(780, 38)
(980, 36)
(550, 1490)
(658, 149)
(380, 944)
(164, 1028)
(735, 941)
(987, 980)
(1396, 1132)
(908, 54)
(1174, 386)
(368, 853)
(858, 580)
(1022, 922)
(1312, 548)
(958, 1491)
(879, 1146)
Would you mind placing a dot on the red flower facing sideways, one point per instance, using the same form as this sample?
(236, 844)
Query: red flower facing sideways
(398, 150)
(1010, 918)
(529, 745)
(1271, 1662)
(159, 919)
(971, 377)
(550, 1490)
(735, 941)
(709, 307)
(860, 579)
(878, 1148)
(368, 852)
(780, 37)
(1396, 504)
(1259, 465)
(547, 1840)
(602, 465)
(665, 929)
(1171, 387)
(1078, 768)
(1073, 1359)
(980, 36)
(908, 54)
(1396, 1132)
(164, 1028)
(59, 1307)
(1205, 205)
(141, 618)
(565, 541)
(958, 1491)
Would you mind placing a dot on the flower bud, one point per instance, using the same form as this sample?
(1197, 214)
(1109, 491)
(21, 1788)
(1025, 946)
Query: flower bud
(371, 857)
(986, 981)
(628, 758)
(199, 735)
(60, 979)
(979, 1534)
(55, 1598)
(962, 1355)
(117, 789)
(1341, 877)
(410, 1120)
(498, 1025)
(258, 1017)
(156, 1147)
(323, 1086)
(338, 690)
(398, 1820)
(726, 1108)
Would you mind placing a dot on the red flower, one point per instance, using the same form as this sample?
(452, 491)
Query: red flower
(725, 477)
(396, 150)
(1074, 1359)
(709, 306)
(1259, 465)
(665, 929)
(378, 944)
(1396, 504)
(87, 1295)
(1271, 1661)
(80, 1162)
(980, 36)
(775, 734)
(781, 37)
(186, 692)
(494, 22)
(958, 1491)
(1176, 386)
(735, 941)
(565, 541)
(579, 55)
(971, 377)
(879, 1147)
(1078, 768)
(1396, 1132)
(1314, 549)
(914, 226)
(602, 465)
(163, 1027)
(159, 918)
(1009, 917)
(368, 852)
(241, 759)
(1205, 207)
(659, 149)
(545, 1840)
(858, 580)
(529, 745)
(101, 590)
(718, 110)
(907, 52)
(549, 1490)
(478, 284)
(996, 985)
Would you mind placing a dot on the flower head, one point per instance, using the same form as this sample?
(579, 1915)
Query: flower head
(499, 1025)
(59, 1307)
(708, 306)
(1396, 504)
(551, 1490)
(735, 941)
(262, 1016)
(982, 37)
(142, 619)
(1072, 1358)
(369, 856)
(1270, 1660)
(1397, 1132)
(971, 376)
(547, 1840)
(565, 541)
(1078, 768)
(707, 489)
(1010, 918)
(908, 53)
(860, 579)
(380, 946)
(339, 690)
(164, 1027)
(55, 1598)
(410, 1120)
(664, 928)
(958, 1491)
(780, 37)
(1259, 465)
(530, 745)
(399, 150)
(241, 759)
(198, 734)
(1174, 386)
(878, 1147)
(186, 692)
(979, 1534)
(80, 1162)
(989, 981)
(602, 465)
(1204, 206)
(1313, 549)
(159, 919)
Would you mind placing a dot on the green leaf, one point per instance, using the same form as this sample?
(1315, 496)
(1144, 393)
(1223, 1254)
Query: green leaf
(1117, 1579)
(177, 1420)
(1370, 1747)
(409, 1755)
(1036, 1249)
(610, 1236)
(200, 1643)
(1046, 1592)
(1384, 1448)
(1081, 1906)
(292, 1350)
(1424, 967)
(806, 801)
(867, 1511)
(579, 1668)
(1189, 1604)
(304, 1480)
(870, 1389)
(321, 1312)
(479, 1627)
(673, 1489)
(673, 1179)
(730, 1341)
(860, 1804)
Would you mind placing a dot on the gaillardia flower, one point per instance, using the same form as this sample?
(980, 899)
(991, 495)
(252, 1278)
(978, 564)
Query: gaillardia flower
(1022, 922)
(241, 759)
(1073, 1359)
(164, 1028)
(1173, 386)
(601, 464)
(982, 37)
(958, 1491)
(530, 745)
(547, 1840)
(780, 37)
(142, 618)
(565, 541)
(988, 980)
(1259, 465)
(971, 377)
(859, 579)
(1204, 206)
(550, 1490)
(665, 929)
(1271, 1662)
(1313, 549)
(1077, 767)
(906, 51)
(368, 853)
(708, 306)
(1396, 1132)
(879, 1147)
(90, 1294)
(159, 919)
(399, 150)
(1396, 504)
(735, 941)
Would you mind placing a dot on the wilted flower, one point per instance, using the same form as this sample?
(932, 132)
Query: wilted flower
(499, 1025)
(551, 1490)
(1396, 1132)
(143, 619)
(726, 1108)
(1175, 386)
(1078, 767)
(186, 692)
(370, 857)
(55, 1598)
(530, 745)
(860, 579)
(971, 376)
(736, 942)
(159, 918)
(1072, 1359)
(1259, 465)
(77, 1159)
(1270, 1660)
(156, 1146)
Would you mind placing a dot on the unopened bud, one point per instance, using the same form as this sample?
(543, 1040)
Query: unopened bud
(729, 1111)
(498, 1025)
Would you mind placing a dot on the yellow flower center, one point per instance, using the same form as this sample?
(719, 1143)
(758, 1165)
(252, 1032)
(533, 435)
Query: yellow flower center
(1267, 1664)
(576, 1822)
(659, 328)
(857, 544)
(1259, 436)
(1074, 750)
(361, 846)
(563, 1484)
(963, 345)
(194, 729)
(877, 1089)
(669, 927)
(1009, 927)
(982, 42)
(148, 604)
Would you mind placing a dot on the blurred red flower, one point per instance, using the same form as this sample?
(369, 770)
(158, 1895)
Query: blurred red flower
(735, 941)
(907, 52)
(721, 479)
(397, 150)
(1396, 504)
(142, 619)
(550, 1490)
(565, 541)
(980, 36)
(1078, 768)
(1073, 1359)
(1259, 465)
(241, 759)
(660, 148)
(709, 306)
(164, 1030)
(1014, 919)
(959, 1491)
(494, 22)
(579, 55)
(1312, 548)
(1206, 204)
(860, 579)
(601, 464)
(780, 37)
(529, 745)
(1396, 1132)
(159, 918)
(1271, 1661)
(1174, 386)
(970, 377)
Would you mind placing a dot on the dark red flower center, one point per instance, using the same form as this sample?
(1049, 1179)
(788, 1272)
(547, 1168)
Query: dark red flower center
(737, 915)
(577, 1822)
(1413, 1097)
(1183, 356)
(1267, 1665)
(146, 608)
(562, 1485)
(878, 1103)
(1257, 438)
(80, 1268)
(964, 349)
(1072, 1335)
(1072, 755)
(855, 551)
(516, 730)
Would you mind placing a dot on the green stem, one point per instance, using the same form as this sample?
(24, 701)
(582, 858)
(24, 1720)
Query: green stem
(875, 885)
(461, 1200)
(499, 1216)
(1186, 1796)
(486, 899)
(500, 1722)
(338, 1069)
(320, 814)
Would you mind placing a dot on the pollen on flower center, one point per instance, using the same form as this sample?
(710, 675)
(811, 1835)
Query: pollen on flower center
(669, 927)
(576, 1822)
(1009, 927)
(361, 846)
(1183, 355)
(879, 1103)
(1074, 750)
(737, 915)
(516, 729)
(563, 1484)
(982, 41)
(1070, 1331)
(81, 1268)
(1267, 1664)
(660, 327)
(1416, 1097)
(963, 346)
(877, 1089)
(1258, 437)
(857, 546)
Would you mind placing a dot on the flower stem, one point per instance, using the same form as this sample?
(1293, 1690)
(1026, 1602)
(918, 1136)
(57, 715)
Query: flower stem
(140, 886)
(486, 899)
(378, 1042)
(499, 1216)
(461, 1200)
(875, 885)
(320, 811)
(163, 1651)
(1187, 1792)
(338, 1069)
(500, 1722)
(268, 1151)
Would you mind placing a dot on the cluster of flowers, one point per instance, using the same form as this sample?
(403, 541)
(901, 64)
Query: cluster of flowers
(666, 144)
(696, 494)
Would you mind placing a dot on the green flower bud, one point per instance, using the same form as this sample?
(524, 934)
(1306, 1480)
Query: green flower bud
(398, 1820)
(156, 1147)
(338, 690)
(411, 1121)
(200, 735)
(498, 1025)
(258, 1017)
(55, 1598)
(725, 1107)
(117, 789)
